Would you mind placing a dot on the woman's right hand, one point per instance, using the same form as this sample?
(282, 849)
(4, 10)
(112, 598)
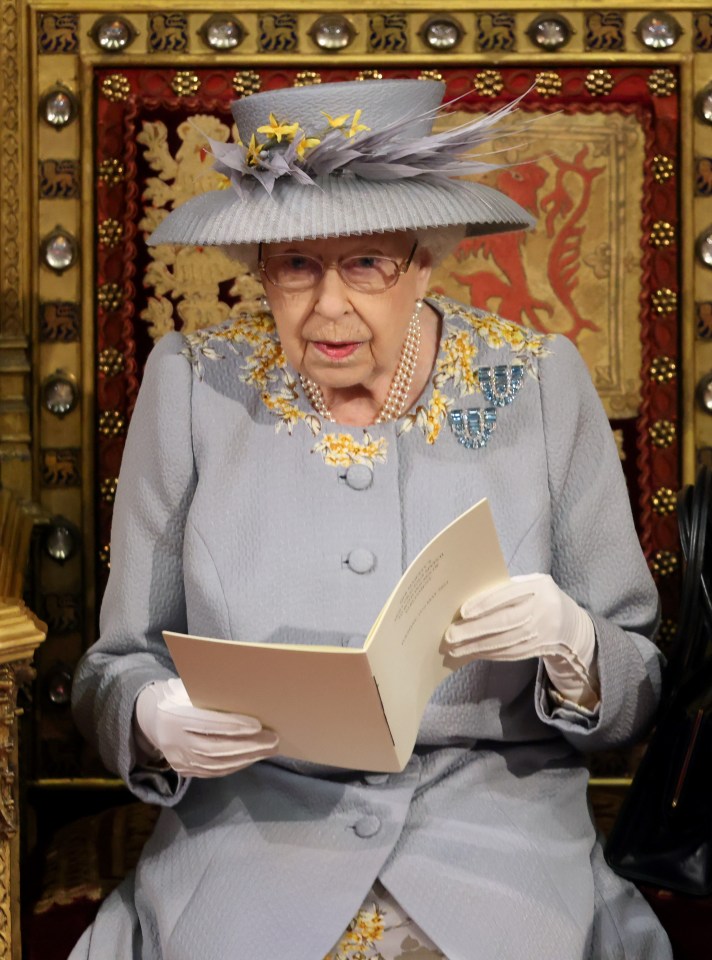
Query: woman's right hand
(196, 742)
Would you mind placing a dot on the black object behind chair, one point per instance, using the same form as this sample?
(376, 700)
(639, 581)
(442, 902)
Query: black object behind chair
(663, 833)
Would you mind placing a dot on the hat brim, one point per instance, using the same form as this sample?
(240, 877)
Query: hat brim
(338, 206)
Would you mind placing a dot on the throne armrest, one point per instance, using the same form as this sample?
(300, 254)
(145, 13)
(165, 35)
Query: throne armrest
(20, 635)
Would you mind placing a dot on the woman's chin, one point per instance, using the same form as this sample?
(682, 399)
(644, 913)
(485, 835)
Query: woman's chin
(336, 372)
(335, 377)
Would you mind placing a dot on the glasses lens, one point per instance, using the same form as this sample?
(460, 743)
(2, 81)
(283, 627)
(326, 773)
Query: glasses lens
(293, 271)
(369, 274)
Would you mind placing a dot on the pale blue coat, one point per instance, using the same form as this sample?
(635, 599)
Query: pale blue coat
(227, 526)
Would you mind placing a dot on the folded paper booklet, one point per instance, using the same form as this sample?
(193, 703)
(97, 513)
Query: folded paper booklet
(355, 708)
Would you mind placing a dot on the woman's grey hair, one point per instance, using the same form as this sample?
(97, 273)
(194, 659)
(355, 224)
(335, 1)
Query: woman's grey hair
(437, 241)
(440, 241)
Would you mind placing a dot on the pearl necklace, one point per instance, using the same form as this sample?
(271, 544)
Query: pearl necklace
(397, 397)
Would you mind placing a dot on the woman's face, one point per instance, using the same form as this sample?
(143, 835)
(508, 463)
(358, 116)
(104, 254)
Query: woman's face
(338, 336)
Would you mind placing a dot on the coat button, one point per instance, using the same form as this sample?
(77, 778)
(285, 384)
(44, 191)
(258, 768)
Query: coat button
(361, 560)
(376, 778)
(367, 827)
(359, 476)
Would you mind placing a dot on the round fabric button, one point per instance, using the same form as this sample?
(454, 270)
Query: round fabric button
(376, 778)
(359, 476)
(361, 560)
(367, 827)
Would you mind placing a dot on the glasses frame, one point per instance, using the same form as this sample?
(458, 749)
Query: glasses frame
(402, 266)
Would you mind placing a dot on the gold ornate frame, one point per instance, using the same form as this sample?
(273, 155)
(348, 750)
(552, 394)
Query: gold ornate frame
(43, 44)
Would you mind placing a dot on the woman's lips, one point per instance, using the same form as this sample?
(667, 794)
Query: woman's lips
(337, 351)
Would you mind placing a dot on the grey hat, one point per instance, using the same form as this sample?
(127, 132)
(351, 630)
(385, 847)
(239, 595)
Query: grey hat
(339, 159)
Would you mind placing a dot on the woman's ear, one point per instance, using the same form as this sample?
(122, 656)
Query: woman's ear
(424, 268)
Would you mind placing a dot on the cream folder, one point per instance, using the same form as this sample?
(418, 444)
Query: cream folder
(354, 708)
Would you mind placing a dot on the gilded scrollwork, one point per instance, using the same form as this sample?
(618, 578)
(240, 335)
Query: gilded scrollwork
(12, 676)
(5, 900)
(11, 322)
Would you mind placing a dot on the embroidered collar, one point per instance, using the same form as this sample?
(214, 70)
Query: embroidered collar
(265, 368)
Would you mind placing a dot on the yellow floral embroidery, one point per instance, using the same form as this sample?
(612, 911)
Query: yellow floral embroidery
(341, 449)
(457, 361)
(264, 367)
(283, 406)
(255, 329)
(496, 333)
(429, 418)
(264, 364)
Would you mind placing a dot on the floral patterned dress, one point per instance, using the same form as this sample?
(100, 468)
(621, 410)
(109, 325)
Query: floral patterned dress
(381, 930)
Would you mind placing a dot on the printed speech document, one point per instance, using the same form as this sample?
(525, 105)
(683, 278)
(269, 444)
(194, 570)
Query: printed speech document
(348, 707)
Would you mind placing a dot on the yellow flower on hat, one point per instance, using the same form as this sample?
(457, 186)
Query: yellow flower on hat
(306, 143)
(278, 130)
(356, 127)
(253, 151)
(337, 122)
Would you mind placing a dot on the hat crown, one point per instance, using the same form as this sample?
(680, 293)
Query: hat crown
(382, 103)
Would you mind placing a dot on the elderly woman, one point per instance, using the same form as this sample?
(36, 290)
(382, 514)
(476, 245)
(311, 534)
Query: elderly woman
(280, 472)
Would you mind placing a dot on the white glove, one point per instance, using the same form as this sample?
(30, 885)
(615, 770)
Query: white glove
(531, 617)
(195, 742)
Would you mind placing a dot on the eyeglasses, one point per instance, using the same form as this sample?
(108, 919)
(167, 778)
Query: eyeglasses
(366, 273)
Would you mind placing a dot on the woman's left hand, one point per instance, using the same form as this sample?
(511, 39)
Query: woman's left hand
(531, 617)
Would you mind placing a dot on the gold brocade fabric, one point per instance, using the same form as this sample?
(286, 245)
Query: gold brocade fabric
(381, 930)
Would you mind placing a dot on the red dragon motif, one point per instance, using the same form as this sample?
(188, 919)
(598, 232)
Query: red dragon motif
(508, 287)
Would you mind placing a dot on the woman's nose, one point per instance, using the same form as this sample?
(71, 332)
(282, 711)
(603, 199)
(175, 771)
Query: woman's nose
(332, 294)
